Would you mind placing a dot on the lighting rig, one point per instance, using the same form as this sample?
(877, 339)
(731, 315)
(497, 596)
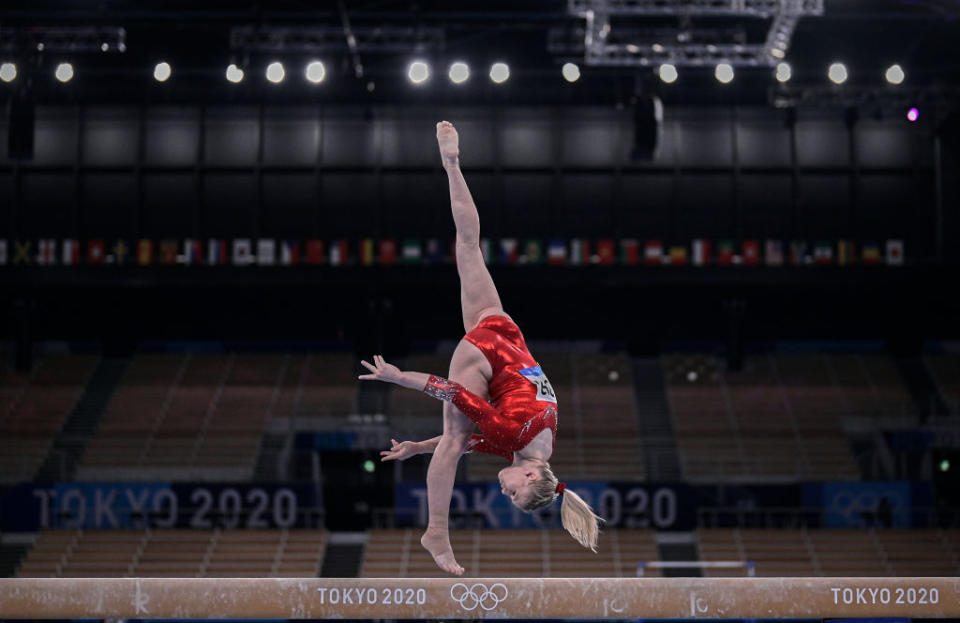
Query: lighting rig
(686, 44)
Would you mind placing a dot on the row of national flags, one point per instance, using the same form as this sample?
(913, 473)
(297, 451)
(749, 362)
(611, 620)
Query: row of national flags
(503, 251)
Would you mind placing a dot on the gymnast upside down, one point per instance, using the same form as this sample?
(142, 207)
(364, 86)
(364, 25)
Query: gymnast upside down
(495, 384)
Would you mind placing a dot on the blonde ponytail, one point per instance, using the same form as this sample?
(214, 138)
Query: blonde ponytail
(579, 520)
(576, 515)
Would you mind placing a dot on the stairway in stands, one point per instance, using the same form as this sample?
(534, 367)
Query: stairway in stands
(343, 557)
(653, 415)
(679, 547)
(10, 557)
(922, 387)
(81, 424)
(268, 468)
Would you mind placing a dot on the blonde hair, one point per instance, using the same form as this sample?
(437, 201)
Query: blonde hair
(576, 515)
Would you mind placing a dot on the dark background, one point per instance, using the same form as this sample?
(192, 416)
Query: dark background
(117, 155)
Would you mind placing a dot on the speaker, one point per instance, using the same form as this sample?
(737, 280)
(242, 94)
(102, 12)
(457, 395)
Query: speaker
(647, 119)
(20, 125)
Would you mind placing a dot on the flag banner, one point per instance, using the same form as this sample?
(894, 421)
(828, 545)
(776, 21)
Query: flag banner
(70, 252)
(388, 252)
(95, 252)
(242, 252)
(509, 251)
(339, 252)
(871, 254)
(119, 253)
(678, 255)
(289, 253)
(630, 252)
(411, 251)
(316, 253)
(216, 252)
(653, 253)
(798, 252)
(21, 252)
(144, 252)
(606, 252)
(579, 252)
(436, 252)
(484, 251)
(192, 252)
(46, 252)
(846, 253)
(266, 252)
(366, 252)
(557, 252)
(532, 252)
(895, 252)
(168, 252)
(701, 252)
(773, 253)
(725, 253)
(751, 252)
(822, 253)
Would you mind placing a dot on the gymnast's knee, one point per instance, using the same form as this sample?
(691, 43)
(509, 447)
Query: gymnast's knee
(453, 442)
(467, 244)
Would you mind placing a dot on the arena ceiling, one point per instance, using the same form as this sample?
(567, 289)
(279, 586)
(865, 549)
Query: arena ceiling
(535, 38)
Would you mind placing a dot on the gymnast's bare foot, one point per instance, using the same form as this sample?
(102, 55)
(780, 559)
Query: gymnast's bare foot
(449, 144)
(437, 542)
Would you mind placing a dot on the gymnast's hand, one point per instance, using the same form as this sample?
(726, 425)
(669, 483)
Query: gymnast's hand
(400, 451)
(382, 371)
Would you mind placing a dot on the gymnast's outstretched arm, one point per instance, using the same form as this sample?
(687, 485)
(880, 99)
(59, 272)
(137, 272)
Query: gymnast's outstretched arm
(471, 405)
(403, 450)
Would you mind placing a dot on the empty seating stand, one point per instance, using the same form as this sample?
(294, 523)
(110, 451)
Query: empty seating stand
(191, 416)
(832, 553)
(176, 553)
(510, 553)
(779, 417)
(33, 409)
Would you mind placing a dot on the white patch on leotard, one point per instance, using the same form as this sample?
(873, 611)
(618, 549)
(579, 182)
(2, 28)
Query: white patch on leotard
(536, 376)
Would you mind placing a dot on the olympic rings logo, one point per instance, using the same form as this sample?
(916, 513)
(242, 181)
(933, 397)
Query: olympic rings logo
(470, 597)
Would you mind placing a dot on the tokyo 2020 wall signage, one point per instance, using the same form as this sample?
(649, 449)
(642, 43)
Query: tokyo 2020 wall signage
(112, 505)
(624, 505)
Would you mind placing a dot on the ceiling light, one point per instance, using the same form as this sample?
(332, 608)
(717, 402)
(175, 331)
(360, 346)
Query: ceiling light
(499, 72)
(315, 72)
(668, 73)
(837, 73)
(418, 72)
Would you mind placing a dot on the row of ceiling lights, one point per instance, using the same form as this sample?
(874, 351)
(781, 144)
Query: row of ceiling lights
(837, 73)
(459, 72)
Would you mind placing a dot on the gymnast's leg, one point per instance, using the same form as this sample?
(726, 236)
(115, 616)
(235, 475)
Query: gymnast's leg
(478, 295)
(468, 366)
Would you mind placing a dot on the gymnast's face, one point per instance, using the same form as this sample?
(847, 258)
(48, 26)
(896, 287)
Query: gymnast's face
(515, 483)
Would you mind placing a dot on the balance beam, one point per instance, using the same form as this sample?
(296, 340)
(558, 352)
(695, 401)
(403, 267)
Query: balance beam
(472, 598)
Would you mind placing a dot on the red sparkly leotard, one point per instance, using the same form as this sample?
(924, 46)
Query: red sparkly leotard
(522, 402)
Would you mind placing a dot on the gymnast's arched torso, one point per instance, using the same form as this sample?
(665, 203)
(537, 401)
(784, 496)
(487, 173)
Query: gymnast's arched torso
(522, 402)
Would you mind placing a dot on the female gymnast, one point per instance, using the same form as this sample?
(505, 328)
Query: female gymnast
(495, 384)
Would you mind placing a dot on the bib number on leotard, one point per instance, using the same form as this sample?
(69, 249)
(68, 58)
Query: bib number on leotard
(544, 390)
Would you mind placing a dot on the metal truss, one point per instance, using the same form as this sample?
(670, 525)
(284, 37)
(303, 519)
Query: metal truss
(600, 50)
(379, 40)
(939, 98)
(750, 8)
(109, 39)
